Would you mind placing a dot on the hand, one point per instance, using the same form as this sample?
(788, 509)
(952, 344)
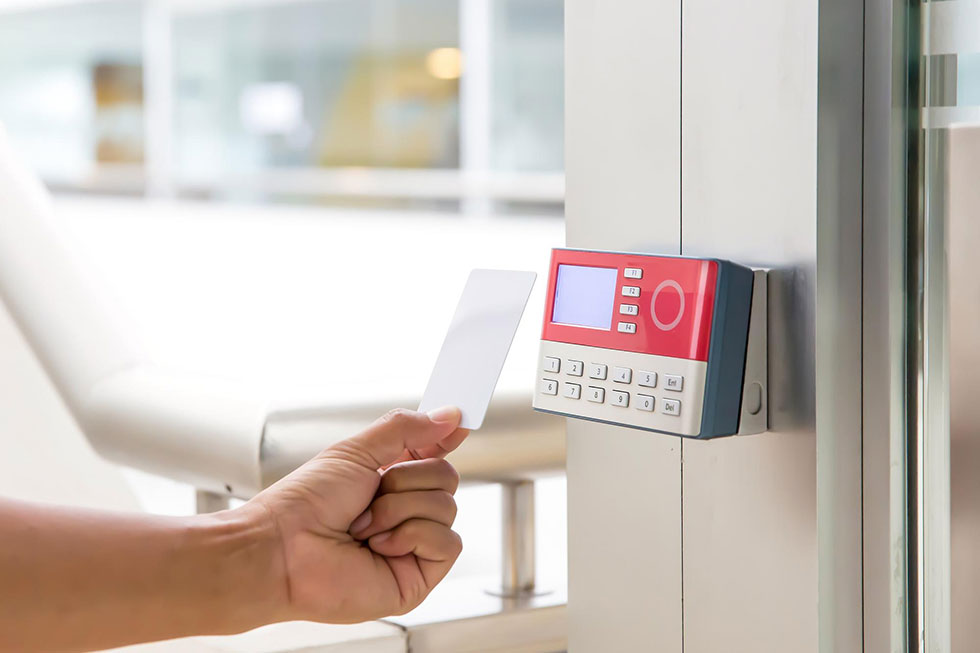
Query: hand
(364, 528)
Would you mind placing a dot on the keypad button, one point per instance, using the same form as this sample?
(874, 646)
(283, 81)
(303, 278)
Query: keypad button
(673, 382)
(620, 398)
(549, 387)
(572, 390)
(645, 402)
(574, 368)
(551, 364)
(597, 371)
(596, 394)
(631, 291)
(671, 407)
(622, 374)
(627, 327)
(629, 309)
(646, 379)
(633, 273)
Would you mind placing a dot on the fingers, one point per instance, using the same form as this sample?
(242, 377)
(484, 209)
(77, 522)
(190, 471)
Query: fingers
(440, 449)
(386, 440)
(428, 474)
(434, 545)
(390, 510)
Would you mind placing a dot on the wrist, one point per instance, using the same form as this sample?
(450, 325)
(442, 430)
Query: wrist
(246, 550)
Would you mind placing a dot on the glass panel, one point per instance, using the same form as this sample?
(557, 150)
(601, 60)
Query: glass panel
(950, 204)
(528, 85)
(71, 90)
(358, 102)
(371, 83)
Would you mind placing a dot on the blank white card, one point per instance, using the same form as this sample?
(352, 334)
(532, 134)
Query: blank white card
(476, 346)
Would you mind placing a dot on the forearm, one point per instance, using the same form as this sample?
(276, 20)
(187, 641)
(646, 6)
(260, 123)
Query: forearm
(81, 580)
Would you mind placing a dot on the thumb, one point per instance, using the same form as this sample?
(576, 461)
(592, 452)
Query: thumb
(387, 439)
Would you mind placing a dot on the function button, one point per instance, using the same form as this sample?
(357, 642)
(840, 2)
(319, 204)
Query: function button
(597, 371)
(622, 374)
(646, 379)
(645, 402)
(631, 291)
(633, 273)
(596, 394)
(572, 390)
(627, 327)
(575, 368)
(551, 364)
(672, 382)
(620, 398)
(629, 309)
(549, 387)
(671, 407)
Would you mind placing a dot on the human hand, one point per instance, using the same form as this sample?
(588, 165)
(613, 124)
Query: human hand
(364, 528)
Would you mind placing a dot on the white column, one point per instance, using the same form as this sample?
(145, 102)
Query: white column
(475, 35)
(158, 99)
(622, 140)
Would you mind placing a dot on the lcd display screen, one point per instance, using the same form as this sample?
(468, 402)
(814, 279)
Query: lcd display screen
(585, 296)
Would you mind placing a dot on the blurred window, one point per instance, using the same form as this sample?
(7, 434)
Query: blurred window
(71, 91)
(528, 85)
(350, 101)
(366, 83)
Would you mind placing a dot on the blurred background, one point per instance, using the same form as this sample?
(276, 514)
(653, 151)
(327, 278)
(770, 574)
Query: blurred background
(397, 103)
(241, 175)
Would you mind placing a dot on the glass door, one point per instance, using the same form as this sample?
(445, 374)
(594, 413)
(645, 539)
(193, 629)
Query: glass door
(949, 206)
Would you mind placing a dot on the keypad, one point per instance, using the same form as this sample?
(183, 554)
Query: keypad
(617, 396)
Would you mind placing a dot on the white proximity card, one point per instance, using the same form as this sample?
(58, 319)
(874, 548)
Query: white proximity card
(477, 343)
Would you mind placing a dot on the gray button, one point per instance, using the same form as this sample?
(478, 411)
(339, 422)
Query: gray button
(631, 291)
(672, 382)
(645, 402)
(551, 364)
(596, 394)
(597, 371)
(629, 309)
(671, 407)
(646, 379)
(627, 327)
(620, 398)
(575, 368)
(622, 374)
(633, 273)
(572, 390)
(549, 387)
